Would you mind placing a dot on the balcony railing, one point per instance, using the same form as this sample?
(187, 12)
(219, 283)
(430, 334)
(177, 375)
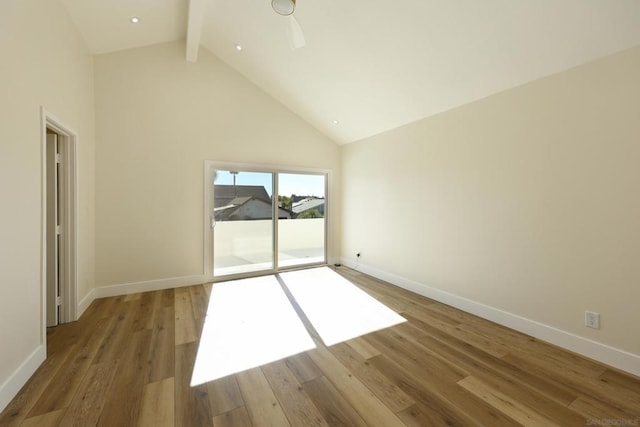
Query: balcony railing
(244, 246)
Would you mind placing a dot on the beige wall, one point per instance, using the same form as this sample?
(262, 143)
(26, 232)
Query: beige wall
(43, 63)
(527, 201)
(158, 118)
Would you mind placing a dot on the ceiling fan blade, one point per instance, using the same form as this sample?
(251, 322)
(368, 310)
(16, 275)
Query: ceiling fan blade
(294, 33)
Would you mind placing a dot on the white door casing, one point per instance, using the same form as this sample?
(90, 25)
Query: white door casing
(67, 209)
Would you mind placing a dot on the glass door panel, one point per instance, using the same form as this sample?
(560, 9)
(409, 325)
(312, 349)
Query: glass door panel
(243, 222)
(301, 219)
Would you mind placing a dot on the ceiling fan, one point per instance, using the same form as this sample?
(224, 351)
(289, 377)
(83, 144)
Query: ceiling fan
(294, 30)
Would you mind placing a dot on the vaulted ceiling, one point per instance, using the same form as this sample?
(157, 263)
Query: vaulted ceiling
(372, 65)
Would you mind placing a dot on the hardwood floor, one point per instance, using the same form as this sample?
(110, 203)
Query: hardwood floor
(128, 362)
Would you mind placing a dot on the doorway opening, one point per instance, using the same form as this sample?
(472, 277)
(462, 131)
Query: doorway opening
(59, 229)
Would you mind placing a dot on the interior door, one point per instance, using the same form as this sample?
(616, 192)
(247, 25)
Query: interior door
(53, 231)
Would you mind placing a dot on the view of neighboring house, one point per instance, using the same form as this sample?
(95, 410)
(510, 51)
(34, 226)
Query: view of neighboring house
(225, 194)
(244, 202)
(308, 204)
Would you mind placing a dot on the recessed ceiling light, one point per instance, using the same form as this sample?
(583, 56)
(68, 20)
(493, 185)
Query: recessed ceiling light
(134, 19)
(335, 122)
(239, 48)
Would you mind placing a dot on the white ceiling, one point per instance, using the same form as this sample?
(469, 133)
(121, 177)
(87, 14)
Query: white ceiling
(374, 65)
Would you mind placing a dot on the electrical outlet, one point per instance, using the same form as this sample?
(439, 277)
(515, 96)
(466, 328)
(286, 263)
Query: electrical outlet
(592, 320)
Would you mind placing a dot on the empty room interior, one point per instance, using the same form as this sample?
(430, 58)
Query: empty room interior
(320, 212)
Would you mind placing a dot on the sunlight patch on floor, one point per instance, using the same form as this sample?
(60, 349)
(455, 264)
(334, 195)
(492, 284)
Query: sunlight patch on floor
(249, 323)
(338, 310)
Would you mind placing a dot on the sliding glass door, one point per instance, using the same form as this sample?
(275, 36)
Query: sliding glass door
(263, 221)
(243, 222)
(301, 235)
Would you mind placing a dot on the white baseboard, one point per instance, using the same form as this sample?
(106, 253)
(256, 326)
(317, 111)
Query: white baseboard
(85, 302)
(149, 285)
(20, 376)
(611, 356)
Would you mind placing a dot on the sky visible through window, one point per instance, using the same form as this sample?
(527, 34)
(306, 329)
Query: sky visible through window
(298, 184)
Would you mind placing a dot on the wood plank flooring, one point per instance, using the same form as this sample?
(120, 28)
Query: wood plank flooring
(128, 362)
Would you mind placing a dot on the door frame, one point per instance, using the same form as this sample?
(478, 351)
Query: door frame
(211, 165)
(67, 141)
